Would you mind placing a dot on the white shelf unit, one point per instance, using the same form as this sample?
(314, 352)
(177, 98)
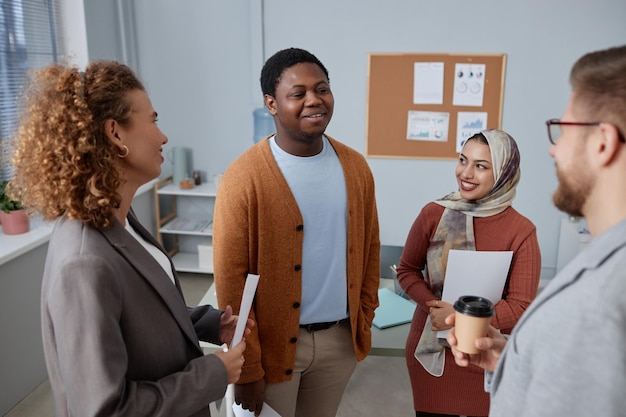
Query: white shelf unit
(181, 224)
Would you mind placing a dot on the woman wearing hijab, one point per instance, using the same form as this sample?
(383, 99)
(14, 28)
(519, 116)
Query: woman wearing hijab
(478, 217)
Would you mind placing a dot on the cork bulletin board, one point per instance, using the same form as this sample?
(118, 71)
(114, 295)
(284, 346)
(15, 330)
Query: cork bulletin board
(424, 105)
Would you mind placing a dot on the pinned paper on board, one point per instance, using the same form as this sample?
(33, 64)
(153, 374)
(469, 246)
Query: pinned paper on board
(468, 124)
(426, 125)
(428, 83)
(469, 85)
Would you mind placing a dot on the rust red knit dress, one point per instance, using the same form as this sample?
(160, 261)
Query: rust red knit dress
(460, 391)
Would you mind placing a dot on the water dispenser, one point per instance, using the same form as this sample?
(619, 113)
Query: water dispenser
(263, 124)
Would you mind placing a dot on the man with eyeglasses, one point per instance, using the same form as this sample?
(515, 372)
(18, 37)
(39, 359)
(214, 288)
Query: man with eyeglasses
(567, 354)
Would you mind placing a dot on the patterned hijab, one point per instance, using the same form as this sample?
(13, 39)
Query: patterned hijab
(456, 231)
(506, 173)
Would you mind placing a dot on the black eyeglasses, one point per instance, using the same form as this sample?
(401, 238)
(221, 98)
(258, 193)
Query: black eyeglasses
(554, 128)
(555, 131)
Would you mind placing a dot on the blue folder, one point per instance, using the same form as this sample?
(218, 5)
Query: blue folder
(393, 310)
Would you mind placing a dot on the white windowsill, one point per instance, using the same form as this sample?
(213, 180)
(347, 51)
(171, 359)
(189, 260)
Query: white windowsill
(12, 246)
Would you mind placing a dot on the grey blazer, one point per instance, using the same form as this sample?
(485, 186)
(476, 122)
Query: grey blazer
(566, 356)
(118, 338)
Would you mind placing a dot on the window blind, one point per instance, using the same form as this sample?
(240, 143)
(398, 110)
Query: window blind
(30, 37)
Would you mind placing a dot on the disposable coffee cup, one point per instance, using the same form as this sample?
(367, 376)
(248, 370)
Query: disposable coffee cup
(471, 321)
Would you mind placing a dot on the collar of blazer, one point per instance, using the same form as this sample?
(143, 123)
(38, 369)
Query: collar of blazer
(150, 270)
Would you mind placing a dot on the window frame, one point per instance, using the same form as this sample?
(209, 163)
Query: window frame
(30, 38)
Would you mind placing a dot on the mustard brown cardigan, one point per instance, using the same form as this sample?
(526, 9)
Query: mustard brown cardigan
(258, 229)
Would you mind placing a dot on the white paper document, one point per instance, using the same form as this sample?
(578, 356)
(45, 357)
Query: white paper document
(428, 83)
(244, 311)
(469, 85)
(426, 125)
(266, 411)
(481, 273)
(467, 125)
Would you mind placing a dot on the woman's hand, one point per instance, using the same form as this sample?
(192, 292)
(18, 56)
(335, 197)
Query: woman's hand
(228, 324)
(438, 311)
(490, 347)
(233, 361)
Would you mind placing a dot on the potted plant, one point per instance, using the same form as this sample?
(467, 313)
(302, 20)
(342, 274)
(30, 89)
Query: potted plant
(13, 218)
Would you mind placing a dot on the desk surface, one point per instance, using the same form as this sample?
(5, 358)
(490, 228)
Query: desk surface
(385, 342)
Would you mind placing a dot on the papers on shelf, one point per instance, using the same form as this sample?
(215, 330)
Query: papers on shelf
(393, 309)
(189, 225)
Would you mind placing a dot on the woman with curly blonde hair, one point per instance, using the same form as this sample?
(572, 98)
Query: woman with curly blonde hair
(118, 338)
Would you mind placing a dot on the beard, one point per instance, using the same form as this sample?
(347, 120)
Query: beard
(572, 192)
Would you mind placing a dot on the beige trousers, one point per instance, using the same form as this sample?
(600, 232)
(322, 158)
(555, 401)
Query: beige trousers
(325, 360)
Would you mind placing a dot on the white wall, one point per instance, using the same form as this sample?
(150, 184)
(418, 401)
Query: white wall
(541, 39)
(200, 62)
(195, 59)
(21, 351)
(74, 31)
(110, 30)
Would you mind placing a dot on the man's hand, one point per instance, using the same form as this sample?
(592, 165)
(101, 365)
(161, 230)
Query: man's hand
(490, 347)
(251, 395)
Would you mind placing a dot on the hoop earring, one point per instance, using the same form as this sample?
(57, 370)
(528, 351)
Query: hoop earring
(125, 154)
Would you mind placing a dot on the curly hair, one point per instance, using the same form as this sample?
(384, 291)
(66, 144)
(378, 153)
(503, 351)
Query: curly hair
(279, 62)
(63, 162)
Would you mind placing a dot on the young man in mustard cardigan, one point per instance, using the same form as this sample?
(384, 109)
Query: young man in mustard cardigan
(299, 209)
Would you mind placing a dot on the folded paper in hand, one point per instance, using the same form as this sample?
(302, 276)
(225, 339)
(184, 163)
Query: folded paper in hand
(481, 273)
